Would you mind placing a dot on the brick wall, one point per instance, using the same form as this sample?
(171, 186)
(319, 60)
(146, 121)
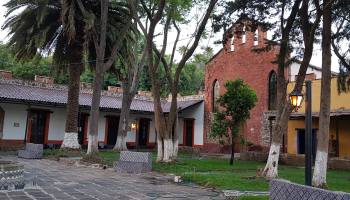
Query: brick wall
(43, 79)
(251, 66)
(5, 74)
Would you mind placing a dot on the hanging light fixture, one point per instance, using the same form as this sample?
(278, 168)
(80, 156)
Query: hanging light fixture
(296, 99)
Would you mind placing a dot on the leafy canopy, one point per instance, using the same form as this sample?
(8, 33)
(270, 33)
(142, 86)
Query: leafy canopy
(235, 105)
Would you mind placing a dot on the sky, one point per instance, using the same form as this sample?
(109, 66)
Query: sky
(186, 32)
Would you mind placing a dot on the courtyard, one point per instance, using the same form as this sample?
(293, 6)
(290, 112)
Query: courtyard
(49, 179)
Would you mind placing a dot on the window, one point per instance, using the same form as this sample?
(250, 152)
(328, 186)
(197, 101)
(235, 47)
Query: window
(2, 117)
(243, 35)
(256, 39)
(232, 45)
(272, 90)
(215, 95)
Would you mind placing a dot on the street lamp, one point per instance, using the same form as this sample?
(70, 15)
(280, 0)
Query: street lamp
(296, 100)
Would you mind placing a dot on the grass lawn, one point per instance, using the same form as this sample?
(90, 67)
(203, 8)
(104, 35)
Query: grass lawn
(219, 174)
(241, 176)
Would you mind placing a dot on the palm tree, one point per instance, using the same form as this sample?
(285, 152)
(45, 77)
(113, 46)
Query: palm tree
(51, 27)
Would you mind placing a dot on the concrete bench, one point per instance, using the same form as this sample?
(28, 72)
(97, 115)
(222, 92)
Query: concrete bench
(285, 190)
(134, 162)
(32, 151)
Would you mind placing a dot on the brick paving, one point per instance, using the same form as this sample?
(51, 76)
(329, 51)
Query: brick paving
(47, 179)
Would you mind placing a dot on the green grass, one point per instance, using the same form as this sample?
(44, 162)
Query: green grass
(217, 172)
(241, 176)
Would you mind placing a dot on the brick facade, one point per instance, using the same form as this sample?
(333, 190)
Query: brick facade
(241, 61)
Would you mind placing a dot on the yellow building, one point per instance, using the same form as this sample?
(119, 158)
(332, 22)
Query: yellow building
(339, 145)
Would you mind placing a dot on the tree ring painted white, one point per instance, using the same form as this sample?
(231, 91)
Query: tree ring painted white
(70, 141)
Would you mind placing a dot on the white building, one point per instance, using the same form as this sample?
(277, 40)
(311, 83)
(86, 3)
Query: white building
(312, 73)
(32, 111)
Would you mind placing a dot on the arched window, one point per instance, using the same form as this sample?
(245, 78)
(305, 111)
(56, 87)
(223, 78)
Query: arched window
(2, 117)
(215, 95)
(244, 37)
(256, 37)
(232, 45)
(272, 91)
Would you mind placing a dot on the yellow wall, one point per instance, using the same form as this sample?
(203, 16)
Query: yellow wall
(343, 128)
(292, 133)
(338, 102)
(344, 137)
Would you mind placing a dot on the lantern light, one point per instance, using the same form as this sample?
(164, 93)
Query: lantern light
(133, 125)
(296, 99)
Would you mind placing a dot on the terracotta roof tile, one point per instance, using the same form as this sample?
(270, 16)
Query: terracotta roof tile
(20, 92)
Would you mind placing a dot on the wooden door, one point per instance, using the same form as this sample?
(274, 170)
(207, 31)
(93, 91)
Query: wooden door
(37, 127)
(113, 124)
(143, 132)
(188, 132)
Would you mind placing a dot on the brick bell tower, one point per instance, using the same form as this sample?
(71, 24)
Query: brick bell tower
(242, 57)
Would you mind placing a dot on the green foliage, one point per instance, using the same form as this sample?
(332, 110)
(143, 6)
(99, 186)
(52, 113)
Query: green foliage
(28, 69)
(235, 106)
(191, 79)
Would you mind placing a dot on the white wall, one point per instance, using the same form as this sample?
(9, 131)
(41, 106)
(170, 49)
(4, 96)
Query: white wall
(57, 123)
(180, 128)
(14, 115)
(294, 70)
(195, 112)
(17, 114)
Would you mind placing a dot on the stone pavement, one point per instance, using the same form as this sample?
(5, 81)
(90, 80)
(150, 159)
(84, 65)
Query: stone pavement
(47, 179)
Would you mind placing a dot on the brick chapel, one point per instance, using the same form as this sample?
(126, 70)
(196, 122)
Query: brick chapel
(239, 58)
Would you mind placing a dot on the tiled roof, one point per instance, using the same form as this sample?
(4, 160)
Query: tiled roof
(29, 92)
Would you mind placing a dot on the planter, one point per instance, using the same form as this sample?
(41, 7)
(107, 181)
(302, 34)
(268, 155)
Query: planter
(11, 175)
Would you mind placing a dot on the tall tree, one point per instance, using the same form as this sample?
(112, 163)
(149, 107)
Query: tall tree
(309, 24)
(132, 57)
(73, 28)
(320, 172)
(37, 30)
(168, 12)
(341, 42)
(100, 33)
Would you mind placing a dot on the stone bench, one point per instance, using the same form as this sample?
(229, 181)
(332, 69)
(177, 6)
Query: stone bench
(134, 162)
(32, 151)
(285, 190)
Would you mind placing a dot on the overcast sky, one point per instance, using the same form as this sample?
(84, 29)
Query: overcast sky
(186, 33)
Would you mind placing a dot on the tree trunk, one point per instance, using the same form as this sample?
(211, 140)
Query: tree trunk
(232, 149)
(124, 118)
(71, 130)
(160, 153)
(320, 172)
(271, 168)
(95, 111)
(175, 139)
(308, 30)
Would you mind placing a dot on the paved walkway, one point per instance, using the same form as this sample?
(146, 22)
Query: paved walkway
(54, 180)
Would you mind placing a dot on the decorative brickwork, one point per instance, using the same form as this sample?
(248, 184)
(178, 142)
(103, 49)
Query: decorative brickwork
(11, 175)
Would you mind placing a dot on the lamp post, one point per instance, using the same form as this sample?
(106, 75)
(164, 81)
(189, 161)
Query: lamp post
(296, 100)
